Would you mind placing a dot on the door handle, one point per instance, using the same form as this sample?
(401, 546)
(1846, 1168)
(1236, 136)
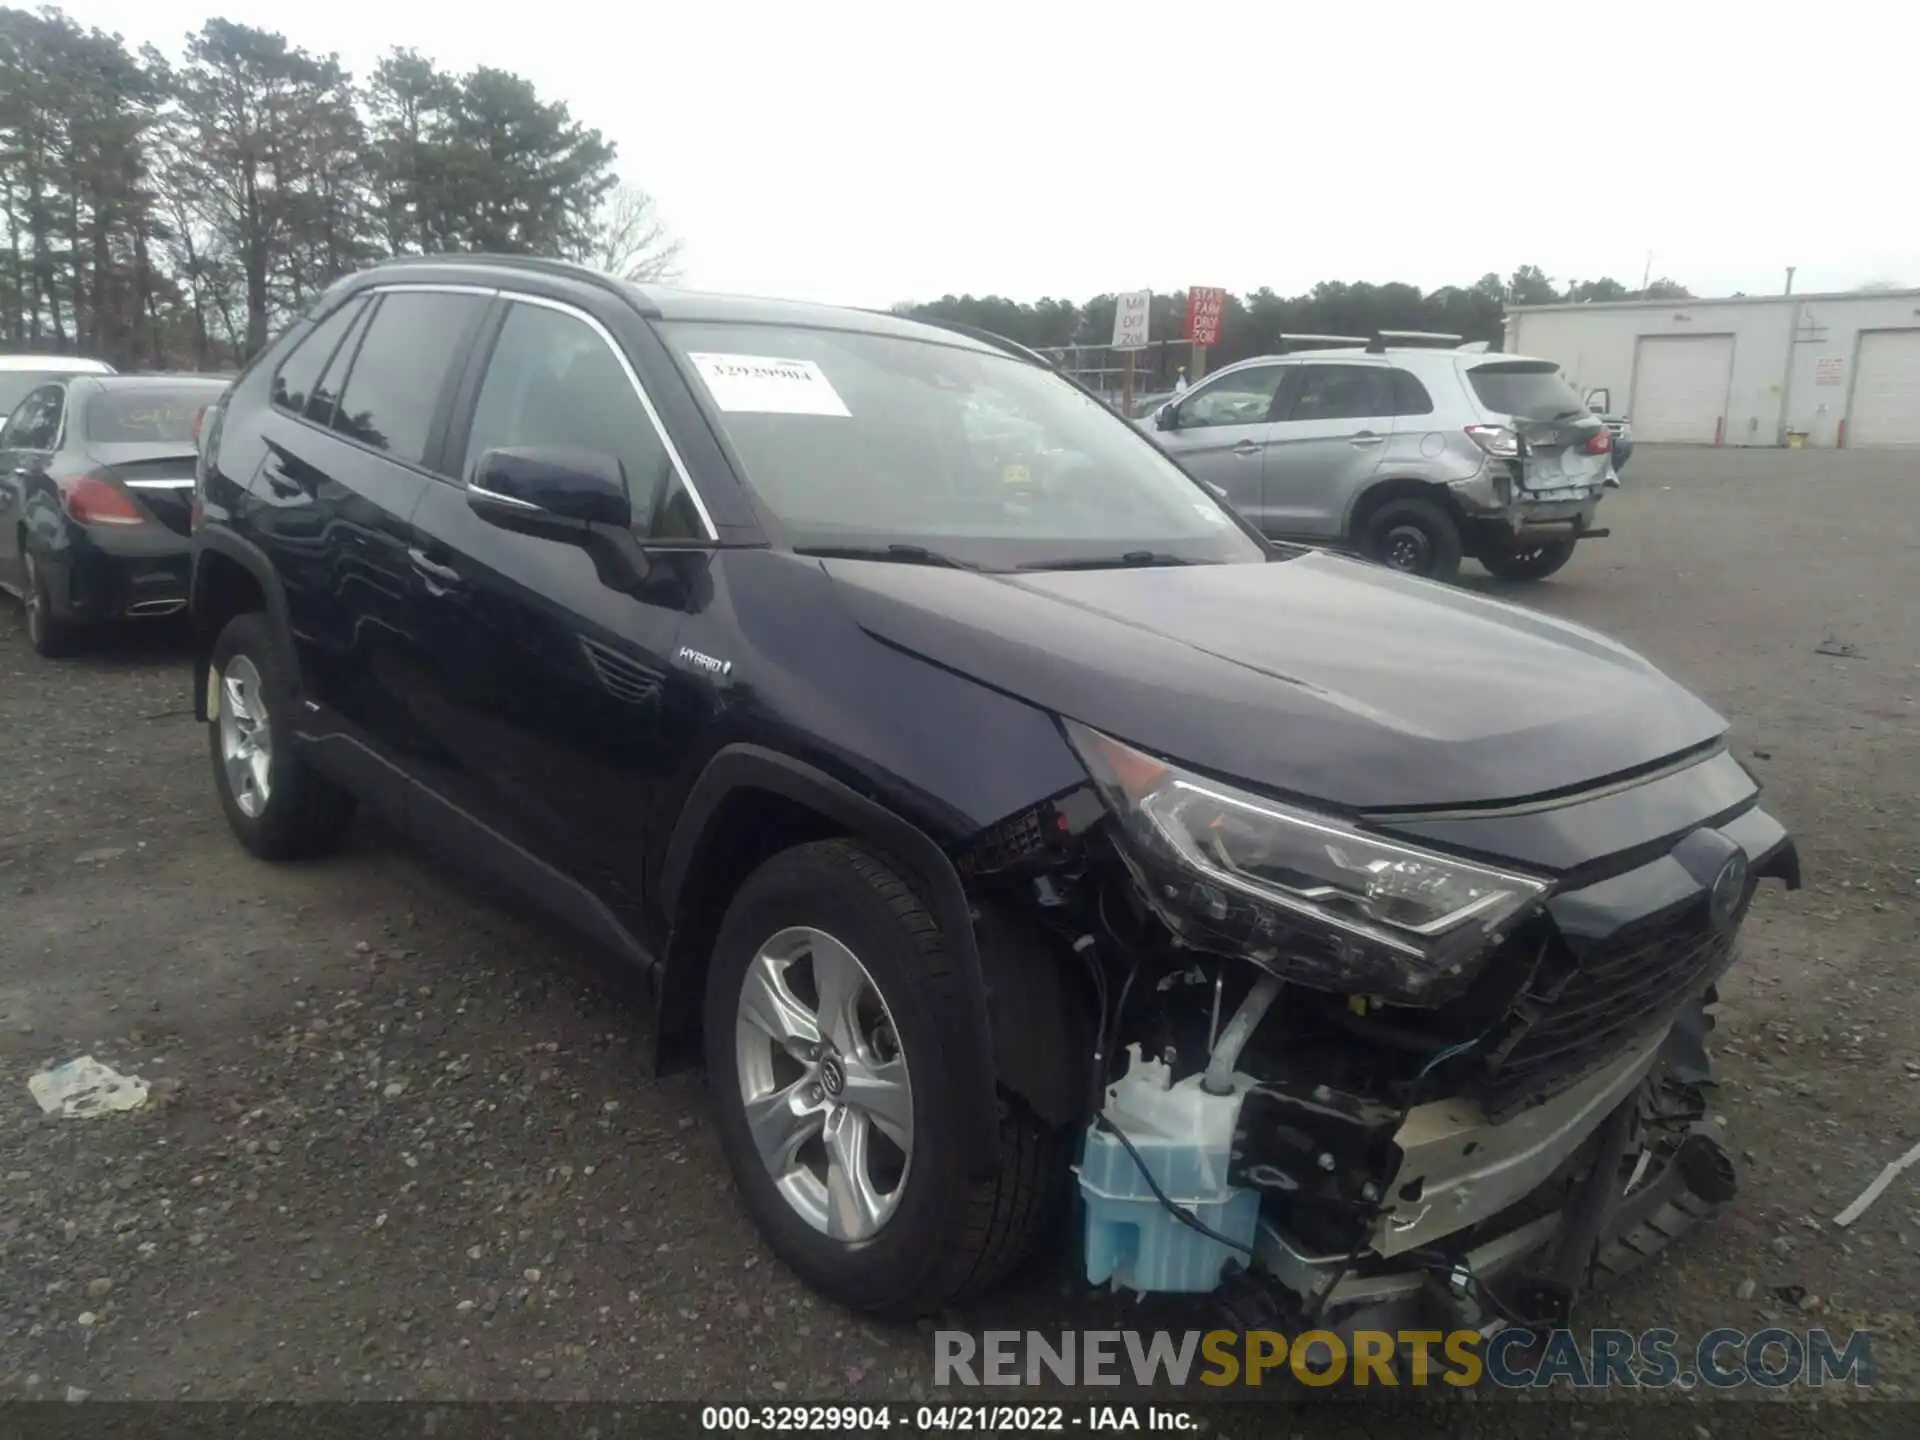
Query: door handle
(1246, 447)
(1366, 437)
(435, 574)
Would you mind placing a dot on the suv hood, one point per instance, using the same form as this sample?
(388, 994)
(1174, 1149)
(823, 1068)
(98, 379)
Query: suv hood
(1320, 677)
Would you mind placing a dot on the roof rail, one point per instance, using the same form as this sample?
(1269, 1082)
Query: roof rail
(1384, 338)
(985, 337)
(539, 264)
(1318, 342)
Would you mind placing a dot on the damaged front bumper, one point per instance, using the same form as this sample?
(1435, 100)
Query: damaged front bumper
(1574, 1147)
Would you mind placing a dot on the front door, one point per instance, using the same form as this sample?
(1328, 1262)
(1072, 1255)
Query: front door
(1334, 424)
(549, 688)
(1221, 431)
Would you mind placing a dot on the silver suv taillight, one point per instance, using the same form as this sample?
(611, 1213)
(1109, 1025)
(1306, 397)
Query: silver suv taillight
(1495, 440)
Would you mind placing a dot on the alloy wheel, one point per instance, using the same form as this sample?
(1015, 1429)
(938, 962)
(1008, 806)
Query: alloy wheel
(246, 738)
(824, 1083)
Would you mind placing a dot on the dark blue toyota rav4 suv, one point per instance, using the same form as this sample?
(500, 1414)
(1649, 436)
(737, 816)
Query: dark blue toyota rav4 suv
(1007, 821)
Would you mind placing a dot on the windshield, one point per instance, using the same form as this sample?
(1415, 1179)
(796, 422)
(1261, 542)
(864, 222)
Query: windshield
(863, 440)
(149, 414)
(1527, 390)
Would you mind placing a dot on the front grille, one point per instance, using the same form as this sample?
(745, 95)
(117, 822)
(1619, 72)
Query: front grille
(1582, 1011)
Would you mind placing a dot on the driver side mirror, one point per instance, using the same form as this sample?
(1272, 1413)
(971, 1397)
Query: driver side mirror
(577, 497)
(1167, 417)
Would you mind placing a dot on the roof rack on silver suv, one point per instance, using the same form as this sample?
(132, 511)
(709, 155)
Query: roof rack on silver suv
(1410, 338)
(1319, 342)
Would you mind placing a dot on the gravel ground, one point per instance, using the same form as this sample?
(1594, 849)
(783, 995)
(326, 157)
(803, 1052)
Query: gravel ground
(401, 1142)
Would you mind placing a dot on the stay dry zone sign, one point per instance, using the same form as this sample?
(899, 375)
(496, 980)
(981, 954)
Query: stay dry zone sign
(1205, 305)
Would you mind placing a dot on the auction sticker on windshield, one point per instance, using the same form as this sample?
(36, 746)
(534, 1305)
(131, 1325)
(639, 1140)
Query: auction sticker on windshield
(768, 385)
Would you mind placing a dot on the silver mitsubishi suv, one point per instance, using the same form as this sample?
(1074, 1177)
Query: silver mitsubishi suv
(1410, 447)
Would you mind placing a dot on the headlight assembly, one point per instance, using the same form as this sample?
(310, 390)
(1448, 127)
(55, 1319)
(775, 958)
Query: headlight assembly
(1307, 896)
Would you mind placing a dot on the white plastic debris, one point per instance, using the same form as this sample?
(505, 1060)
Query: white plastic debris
(1873, 1192)
(83, 1088)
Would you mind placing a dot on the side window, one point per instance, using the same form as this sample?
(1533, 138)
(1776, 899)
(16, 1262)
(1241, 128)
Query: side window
(401, 367)
(553, 381)
(324, 400)
(1409, 395)
(1243, 398)
(298, 379)
(35, 422)
(1339, 392)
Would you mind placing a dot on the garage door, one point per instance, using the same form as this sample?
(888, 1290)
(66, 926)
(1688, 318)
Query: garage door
(1680, 388)
(1886, 390)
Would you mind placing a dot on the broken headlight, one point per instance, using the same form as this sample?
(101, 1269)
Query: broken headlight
(1307, 896)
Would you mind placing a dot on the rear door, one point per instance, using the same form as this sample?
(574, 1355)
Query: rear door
(1224, 425)
(1335, 419)
(359, 408)
(547, 689)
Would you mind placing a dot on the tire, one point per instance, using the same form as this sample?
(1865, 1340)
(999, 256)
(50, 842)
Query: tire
(1533, 564)
(1415, 537)
(931, 1236)
(50, 636)
(276, 804)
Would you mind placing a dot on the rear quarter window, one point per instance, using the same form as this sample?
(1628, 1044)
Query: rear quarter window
(1530, 390)
(1409, 395)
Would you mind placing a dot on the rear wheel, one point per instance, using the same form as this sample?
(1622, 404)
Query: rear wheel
(1534, 562)
(832, 1047)
(46, 632)
(1414, 536)
(276, 804)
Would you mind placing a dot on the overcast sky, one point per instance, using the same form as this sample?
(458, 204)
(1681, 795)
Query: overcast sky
(865, 153)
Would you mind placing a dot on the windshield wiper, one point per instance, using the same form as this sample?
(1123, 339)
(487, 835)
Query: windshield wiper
(899, 554)
(1132, 559)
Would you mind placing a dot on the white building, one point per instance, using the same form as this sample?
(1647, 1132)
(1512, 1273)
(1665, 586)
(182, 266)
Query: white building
(1835, 370)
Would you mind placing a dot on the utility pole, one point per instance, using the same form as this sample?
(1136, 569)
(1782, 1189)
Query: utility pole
(1646, 275)
(1790, 270)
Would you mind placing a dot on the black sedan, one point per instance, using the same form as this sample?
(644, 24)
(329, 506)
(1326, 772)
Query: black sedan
(96, 490)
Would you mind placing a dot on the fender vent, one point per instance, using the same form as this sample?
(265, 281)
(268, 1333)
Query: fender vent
(626, 680)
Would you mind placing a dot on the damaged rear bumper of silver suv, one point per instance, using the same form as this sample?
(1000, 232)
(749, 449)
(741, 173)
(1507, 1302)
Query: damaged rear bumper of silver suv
(1491, 497)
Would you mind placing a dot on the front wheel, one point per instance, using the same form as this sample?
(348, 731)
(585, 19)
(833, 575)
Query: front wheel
(1414, 536)
(833, 1050)
(1534, 562)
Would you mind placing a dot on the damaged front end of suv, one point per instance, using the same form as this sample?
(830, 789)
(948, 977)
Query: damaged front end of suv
(1372, 1070)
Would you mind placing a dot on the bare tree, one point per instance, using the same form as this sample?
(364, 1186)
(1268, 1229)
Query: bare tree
(631, 240)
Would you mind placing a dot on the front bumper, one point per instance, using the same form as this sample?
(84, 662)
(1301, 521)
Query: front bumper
(1503, 1274)
(1363, 1203)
